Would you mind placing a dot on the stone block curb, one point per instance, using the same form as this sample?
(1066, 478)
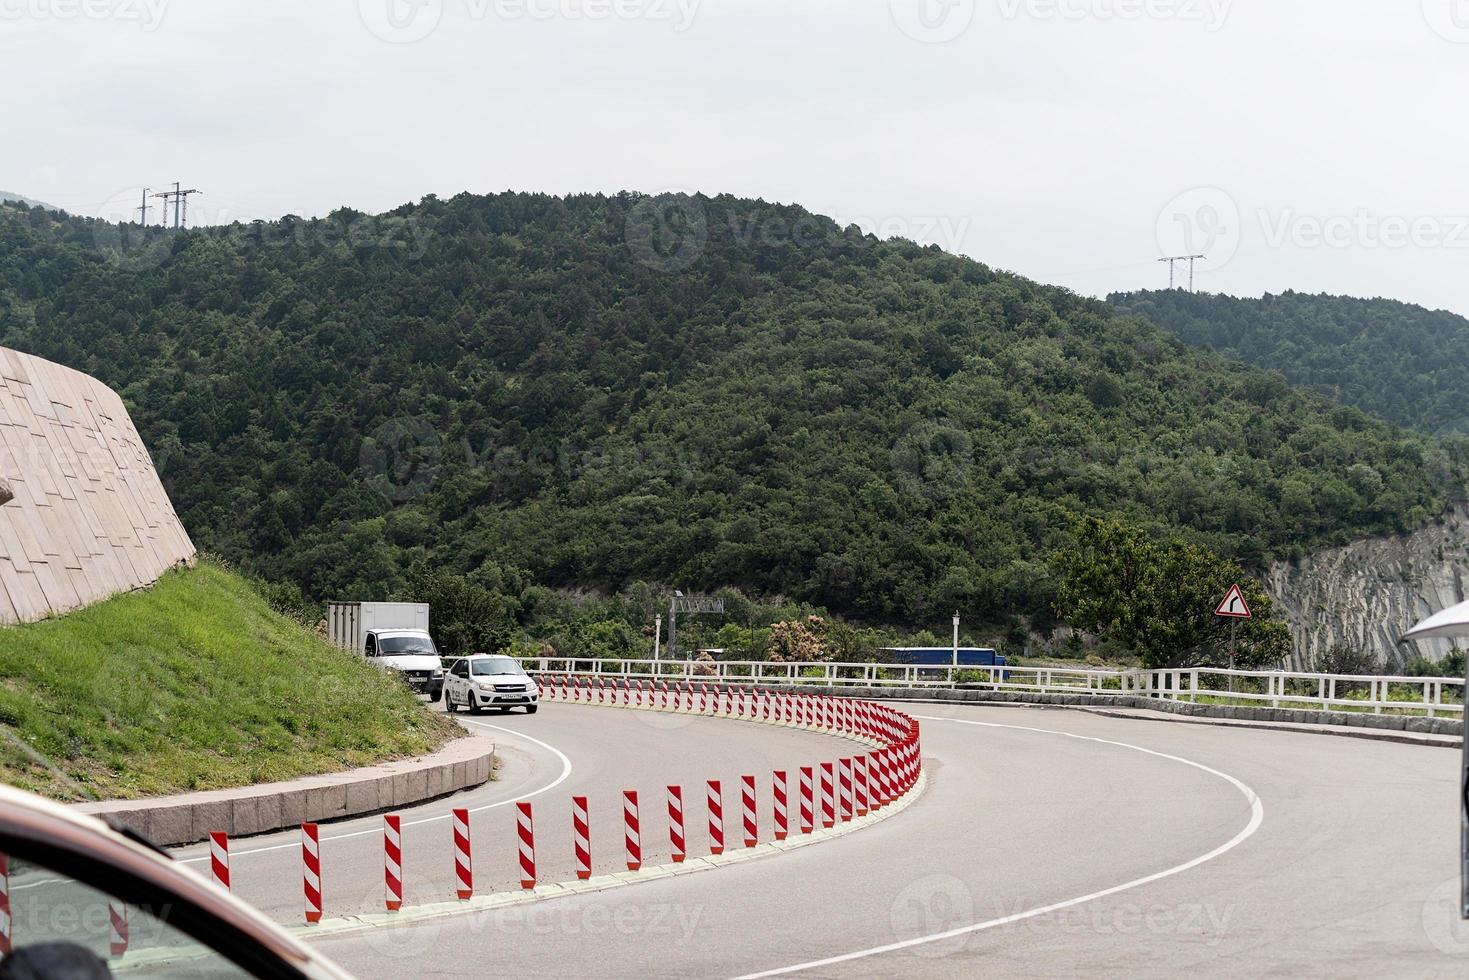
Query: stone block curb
(240, 812)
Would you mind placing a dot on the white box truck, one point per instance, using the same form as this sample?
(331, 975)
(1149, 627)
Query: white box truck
(393, 635)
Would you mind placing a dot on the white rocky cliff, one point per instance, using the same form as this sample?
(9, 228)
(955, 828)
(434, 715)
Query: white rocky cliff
(1366, 594)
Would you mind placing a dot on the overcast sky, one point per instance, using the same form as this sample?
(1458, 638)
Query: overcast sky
(1318, 145)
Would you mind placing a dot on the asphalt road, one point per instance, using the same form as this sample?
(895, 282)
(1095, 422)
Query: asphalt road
(1151, 849)
(546, 759)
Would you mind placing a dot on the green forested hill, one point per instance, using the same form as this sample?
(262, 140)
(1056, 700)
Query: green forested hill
(591, 390)
(1394, 360)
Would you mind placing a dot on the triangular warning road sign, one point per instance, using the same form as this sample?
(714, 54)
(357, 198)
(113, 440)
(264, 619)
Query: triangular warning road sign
(1234, 605)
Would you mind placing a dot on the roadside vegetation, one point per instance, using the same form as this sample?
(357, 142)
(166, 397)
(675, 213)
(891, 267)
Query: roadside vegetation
(195, 683)
(524, 390)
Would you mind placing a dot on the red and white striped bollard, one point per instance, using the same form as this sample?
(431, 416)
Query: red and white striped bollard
(675, 823)
(311, 871)
(463, 856)
(393, 861)
(828, 805)
(5, 921)
(844, 788)
(782, 820)
(632, 830)
(525, 830)
(581, 833)
(219, 858)
(716, 819)
(808, 804)
(117, 922)
(747, 799)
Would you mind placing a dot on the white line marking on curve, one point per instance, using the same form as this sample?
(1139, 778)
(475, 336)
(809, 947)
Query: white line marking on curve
(565, 774)
(1257, 816)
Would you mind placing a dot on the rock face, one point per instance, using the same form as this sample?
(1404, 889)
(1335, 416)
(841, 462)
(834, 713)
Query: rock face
(1366, 594)
(89, 517)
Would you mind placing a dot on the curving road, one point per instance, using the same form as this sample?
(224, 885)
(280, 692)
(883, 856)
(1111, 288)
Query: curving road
(1048, 843)
(561, 752)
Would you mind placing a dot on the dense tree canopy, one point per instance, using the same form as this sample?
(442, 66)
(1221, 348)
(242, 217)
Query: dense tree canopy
(1393, 360)
(1158, 599)
(593, 390)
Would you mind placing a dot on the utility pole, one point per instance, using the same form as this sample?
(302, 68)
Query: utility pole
(696, 604)
(143, 211)
(163, 223)
(956, 641)
(657, 634)
(1190, 259)
(180, 205)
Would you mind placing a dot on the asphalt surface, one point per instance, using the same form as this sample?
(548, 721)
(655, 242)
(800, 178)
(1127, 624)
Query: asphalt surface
(1150, 850)
(545, 759)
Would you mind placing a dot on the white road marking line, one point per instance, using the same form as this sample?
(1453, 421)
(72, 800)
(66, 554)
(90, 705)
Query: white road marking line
(1257, 816)
(565, 774)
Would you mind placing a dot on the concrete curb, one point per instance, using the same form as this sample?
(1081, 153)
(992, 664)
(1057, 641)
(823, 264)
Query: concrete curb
(188, 818)
(333, 928)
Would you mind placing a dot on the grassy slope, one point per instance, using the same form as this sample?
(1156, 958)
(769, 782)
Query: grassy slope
(193, 684)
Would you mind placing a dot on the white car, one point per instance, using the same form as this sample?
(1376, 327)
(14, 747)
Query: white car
(409, 652)
(490, 681)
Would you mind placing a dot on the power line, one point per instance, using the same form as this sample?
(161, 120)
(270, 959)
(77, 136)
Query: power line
(1190, 259)
(180, 204)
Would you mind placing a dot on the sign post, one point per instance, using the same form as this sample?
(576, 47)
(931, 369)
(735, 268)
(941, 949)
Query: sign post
(695, 604)
(1234, 608)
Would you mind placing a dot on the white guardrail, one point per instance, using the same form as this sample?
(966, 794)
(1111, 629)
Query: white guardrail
(1277, 689)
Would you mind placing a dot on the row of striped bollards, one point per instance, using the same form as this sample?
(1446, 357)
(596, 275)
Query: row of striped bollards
(842, 716)
(848, 787)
